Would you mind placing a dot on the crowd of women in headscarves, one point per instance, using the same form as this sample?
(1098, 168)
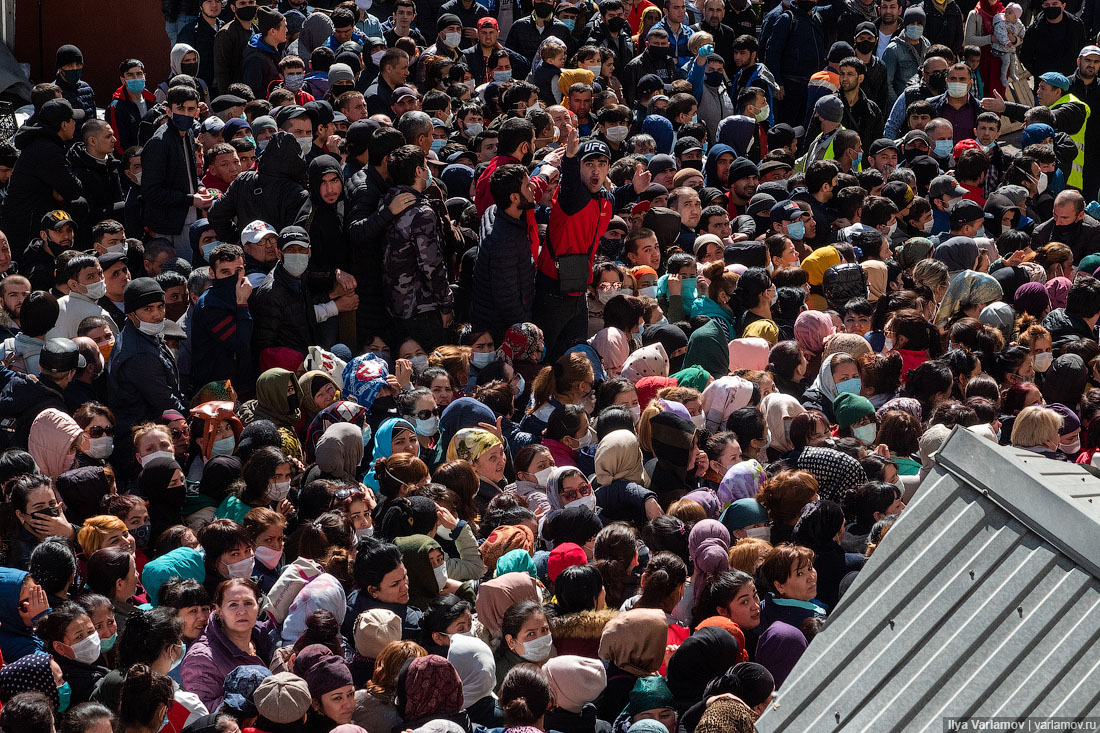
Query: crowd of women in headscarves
(641, 536)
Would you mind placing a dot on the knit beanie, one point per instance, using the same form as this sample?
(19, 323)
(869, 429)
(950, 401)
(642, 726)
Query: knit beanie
(267, 20)
(851, 408)
(374, 629)
(574, 681)
(563, 556)
(331, 673)
(69, 54)
(142, 292)
(283, 698)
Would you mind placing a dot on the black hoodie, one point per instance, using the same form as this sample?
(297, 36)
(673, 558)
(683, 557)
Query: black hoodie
(274, 192)
(326, 226)
(41, 170)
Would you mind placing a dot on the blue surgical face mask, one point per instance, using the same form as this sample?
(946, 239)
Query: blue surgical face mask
(687, 289)
(943, 148)
(980, 232)
(569, 23)
(135, 86)
(367, 434)
(223, 447)
(914, 31)
(851, 386)
(796, 230)
(502, 77)
(857, 161)
(437, 144)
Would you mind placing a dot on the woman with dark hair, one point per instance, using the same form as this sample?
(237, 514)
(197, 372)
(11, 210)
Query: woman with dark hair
(446, 616)
(787, 365)
(900, 431)
(83, 718)
(964, 366)
(582, 611)
(754, 294)
(113, 573)
(820, 528)
(524, 698)
(910, 334)
(881, 376)
(869, 503)
(732, 595)
(382, 582)
(228, 552)
(930, 383)
(233, 637)
(146, 701)
(72, 641)
(265, 481)
(525, 638)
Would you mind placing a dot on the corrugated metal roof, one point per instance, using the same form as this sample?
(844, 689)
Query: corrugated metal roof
(982, 600)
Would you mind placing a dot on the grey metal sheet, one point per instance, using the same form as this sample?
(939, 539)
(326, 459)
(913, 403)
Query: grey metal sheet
(983, 600)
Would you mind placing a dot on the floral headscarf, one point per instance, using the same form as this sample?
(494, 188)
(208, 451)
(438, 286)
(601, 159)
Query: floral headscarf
(811, 328)
(214, 392)
(337, 412)
(968, 288)
(742, 481)
(722, 397)
(519, 343)
(469, 444)
(431, 687)
(836, 473)
(905, 404)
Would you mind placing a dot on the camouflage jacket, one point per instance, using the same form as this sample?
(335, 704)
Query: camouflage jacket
(414, 271)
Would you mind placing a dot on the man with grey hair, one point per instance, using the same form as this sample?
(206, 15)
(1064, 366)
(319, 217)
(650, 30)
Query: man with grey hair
(1069, 225)
(417, 128)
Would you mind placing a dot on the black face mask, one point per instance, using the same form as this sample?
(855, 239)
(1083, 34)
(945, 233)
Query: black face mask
(191, 69)
(246, 14)
(544, 10)
(616, 24)
(292, 402)
(696, 164)
(937, 81)
(805, 5)
(866, 46)
(1052, 13)
(658, 53)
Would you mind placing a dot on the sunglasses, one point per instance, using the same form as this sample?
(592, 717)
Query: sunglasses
(577, 493)
(427, 414)
(97, 431)
(180, 433)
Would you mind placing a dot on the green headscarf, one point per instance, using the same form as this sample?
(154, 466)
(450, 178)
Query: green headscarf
(695, 377)
(271, 397)
(423, 587)
(708, 348)
(649, 693)
(516, 561)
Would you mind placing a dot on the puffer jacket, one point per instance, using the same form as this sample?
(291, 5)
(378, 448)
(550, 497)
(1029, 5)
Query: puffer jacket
(42, 169)
(504, 273)
(213, 656)
(143, 380)
(414, 269)
(282, 313)
(81, 97)
(274, 192)
(1065, 327)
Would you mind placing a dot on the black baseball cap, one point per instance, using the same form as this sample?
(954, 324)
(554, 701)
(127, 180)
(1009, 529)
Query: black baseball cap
(594, 148)
(964, 211)
(292, 235)
(783, 134)
(56, 220)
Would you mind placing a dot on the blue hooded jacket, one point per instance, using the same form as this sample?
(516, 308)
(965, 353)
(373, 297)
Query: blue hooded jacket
(16, 639)
(710, 169)
(383, 447)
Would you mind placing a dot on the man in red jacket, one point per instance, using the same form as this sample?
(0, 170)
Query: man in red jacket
(579, 215)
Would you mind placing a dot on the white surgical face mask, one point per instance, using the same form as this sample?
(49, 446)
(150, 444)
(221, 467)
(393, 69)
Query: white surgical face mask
(427, 428)
(595, 69)
(241, 568)
(543, 476)
(305, 143)
(588, 501)
(617, 133)
(474, 128)
(101, 447)
(764, 112)
(763, 533)
(1070, 448)
(151, 329)
(159, 454)
(927, 228)
(648, 292)
(278, 490)
(296, 263)
(97, 289)
(887, 344)
(451, 40)
(268, 558)
(699, 420)
(1042, 361)
(866, 433)
(538, 650)
(87, 650)
(377, 56)
(587, 440)
(636, 411)
(441, 575)
(365, 532)
(1041, 184)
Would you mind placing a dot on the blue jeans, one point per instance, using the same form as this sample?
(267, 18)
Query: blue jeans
(173, 28)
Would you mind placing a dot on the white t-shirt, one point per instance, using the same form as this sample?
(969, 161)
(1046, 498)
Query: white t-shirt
(883, 42)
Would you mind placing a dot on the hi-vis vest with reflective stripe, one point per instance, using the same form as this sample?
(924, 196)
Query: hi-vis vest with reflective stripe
(1077, 171)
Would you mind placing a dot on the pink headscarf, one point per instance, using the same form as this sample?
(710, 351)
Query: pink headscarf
(52, 435)
(749, 353)
(722, 397)
(613, 346)
(811, 328)
(708, 548)
(1058, 290)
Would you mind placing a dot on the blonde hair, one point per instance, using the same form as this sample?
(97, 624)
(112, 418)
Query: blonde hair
(1035, 426)
(138, 432)
(930, 273)
(644, 431)
(683, 395)
(747, 554)
(96, 530)
(695, 43)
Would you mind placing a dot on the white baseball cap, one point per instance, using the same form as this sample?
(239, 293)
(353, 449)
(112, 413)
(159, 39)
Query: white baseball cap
(256, 231)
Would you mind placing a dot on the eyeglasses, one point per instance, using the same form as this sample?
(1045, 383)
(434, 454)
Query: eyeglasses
(578, 493)
(180, 432)
(427, 414)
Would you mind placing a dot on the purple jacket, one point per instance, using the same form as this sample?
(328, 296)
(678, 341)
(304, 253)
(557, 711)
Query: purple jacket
(213, 656)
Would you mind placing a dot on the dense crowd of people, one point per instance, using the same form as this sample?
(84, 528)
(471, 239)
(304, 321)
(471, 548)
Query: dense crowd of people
(553, 366)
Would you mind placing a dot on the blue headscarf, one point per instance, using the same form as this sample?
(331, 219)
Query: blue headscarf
(383, 445)
(661, 130)
(590, 353)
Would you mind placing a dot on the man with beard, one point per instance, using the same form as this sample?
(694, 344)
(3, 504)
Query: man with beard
(55, 236)
(504, 269)
(714, 13)
(1052, 42)
(1083, 85)
(84, 276)
(874, 80)
(14, 289)
(1069, 225)
(743, 180)
(516, 144)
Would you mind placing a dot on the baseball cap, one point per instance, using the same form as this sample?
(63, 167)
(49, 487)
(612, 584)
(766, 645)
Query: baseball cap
(964, 211)
(963, 145)
(866, 27)
(899, 192)
(594, 148)
(61, 355)
(212, 125)
(916, 135)
(460, 155)
(650, 83)
(483, 22)
(945, 186)
(288, 112)
(783, 134)
(686, 144)
(291, 236)
(1089, 51)
(883, 143)
(320, 112)
(256, 231)
(402, 92)
(786, 211)
(56, 219)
